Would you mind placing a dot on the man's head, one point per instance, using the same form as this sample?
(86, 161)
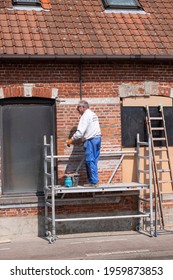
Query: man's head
(82, 106)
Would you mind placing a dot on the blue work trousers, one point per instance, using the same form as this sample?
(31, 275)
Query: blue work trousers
(92, 152)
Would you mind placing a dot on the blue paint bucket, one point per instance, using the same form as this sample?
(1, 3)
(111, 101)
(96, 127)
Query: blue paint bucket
(68, 182)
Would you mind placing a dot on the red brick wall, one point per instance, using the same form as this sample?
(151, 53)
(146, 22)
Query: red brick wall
(99, 80)
(23, 211)
(109, 117)
(125, 203)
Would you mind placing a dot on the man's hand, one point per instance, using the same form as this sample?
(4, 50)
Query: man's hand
(69, 141)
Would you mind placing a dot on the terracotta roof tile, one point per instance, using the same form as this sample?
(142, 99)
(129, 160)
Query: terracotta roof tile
(46, 4)
(71, 27)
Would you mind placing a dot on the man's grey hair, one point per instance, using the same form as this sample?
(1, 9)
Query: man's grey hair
(84, 103)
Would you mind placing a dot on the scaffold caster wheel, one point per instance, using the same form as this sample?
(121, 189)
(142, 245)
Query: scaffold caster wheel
(155, 234)
(138, 227)
(48, 233)
(52, 239)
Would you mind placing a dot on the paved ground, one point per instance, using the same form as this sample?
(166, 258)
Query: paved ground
(90, 246)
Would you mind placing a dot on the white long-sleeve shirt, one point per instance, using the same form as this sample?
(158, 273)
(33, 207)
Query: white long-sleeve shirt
(88, 126)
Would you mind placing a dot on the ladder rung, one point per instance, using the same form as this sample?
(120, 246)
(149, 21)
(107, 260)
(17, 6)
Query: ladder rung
(160, 149)
(157, 128)
(163, 170)
(164, 182)
(156, 118)
(166, 192)
(159, 139)
(162, 160)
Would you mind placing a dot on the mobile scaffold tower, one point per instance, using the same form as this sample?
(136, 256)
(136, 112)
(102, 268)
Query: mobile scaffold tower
(51, 189)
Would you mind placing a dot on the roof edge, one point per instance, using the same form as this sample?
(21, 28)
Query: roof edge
(87, 57)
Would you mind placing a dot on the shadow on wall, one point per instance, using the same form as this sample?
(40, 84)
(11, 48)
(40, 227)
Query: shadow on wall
(41, 217)
(74, 163)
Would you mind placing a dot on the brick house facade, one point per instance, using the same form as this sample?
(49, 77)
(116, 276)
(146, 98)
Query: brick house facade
(102, 80)
(102, 86)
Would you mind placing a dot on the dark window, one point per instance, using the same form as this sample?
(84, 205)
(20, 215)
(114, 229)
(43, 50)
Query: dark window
(27, 2)
(121, 4)
(23, 126)
(134, 121)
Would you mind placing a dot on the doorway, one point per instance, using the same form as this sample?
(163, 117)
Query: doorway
(24, 122)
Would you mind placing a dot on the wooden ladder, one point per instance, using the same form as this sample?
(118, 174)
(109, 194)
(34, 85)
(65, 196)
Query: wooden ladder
(163, 177)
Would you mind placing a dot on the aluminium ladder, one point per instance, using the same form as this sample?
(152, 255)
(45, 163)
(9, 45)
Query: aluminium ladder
(163, 177)
(144, 167)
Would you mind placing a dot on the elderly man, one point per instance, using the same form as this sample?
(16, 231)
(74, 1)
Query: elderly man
(89, 131)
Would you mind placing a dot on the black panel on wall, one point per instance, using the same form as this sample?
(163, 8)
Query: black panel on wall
(133, 122)
(23, 124)
(168, 113)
